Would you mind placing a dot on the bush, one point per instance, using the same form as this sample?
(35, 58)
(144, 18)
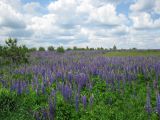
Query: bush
(8, 102)
(41, 49)
(68, 49)
(32, 49)
(11, 53)
(60, 49)
(50, 48)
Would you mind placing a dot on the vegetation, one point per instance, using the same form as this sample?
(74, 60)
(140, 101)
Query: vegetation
(33, 49)
(41, 49)
(50, 48)
(60, 49)
(133, 53)
(79, 84)
(12, 53)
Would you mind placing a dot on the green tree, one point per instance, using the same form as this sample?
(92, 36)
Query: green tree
(68, 49)
(13, 53)
(33, 49)
(114, 47)
(41, 49)
(74, 48)
(50, 48)
(60, 49)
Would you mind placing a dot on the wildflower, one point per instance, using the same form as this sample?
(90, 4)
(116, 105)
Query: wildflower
(51, 110)
(84, 101)
(77, 102)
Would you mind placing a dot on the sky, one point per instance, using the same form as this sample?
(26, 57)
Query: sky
(81, 23)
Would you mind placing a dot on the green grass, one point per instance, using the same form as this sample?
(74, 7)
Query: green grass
(133, 53)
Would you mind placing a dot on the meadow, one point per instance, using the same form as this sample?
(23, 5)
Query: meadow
(82, 85)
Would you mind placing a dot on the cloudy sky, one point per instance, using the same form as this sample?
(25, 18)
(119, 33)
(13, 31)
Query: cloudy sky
(93, 23)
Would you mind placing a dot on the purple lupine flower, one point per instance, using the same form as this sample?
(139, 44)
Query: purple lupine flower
(51, 109)
(44, 114)
(70, 77)
(19, 88)
(148, 102)
(91, 100)
(53, 94)
(66, 92)
(43, 73)
(51, 79)
(43, 88)
(84, 101)
(77, 102)
(155, 84)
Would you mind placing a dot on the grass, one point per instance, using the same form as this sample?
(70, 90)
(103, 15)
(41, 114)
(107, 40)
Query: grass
(133, 53)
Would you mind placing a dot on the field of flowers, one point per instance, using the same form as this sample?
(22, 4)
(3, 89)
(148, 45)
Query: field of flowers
(81, 85)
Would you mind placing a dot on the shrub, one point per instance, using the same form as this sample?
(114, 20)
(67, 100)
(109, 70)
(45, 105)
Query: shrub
(32, 49)
(11, 53)
(68, 49)
(60, 49)
(8, 102)
(50, 48)
(41, 49)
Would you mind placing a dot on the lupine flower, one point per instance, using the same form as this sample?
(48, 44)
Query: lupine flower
(66, 92)
(51, 109)
(84, 101)
(51, 79)
(44, 114)
(155, 84)
(77, 102)
(19, 88)
(148, 104)
(70, 77)
(43, 88)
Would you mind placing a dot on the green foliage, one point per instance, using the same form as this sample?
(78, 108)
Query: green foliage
(33, 49)
(11, 53)
(41, 49)
(133, 53)
(74, 48)
(60, 49)
(114, 47)
(8, 102)
(50, 48)
(68, 49)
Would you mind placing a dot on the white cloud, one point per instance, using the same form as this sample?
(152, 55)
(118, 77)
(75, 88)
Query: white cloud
(82, 23)
(143, 5)
(107, 15)
(9, 17)
(143, 20)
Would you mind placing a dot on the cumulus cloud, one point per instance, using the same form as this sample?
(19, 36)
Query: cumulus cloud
(82, 23)
(107, 15)
(143, 5)
(9, 17)
(143, 20)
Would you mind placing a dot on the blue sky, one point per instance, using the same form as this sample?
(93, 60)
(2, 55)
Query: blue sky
(81, 23)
